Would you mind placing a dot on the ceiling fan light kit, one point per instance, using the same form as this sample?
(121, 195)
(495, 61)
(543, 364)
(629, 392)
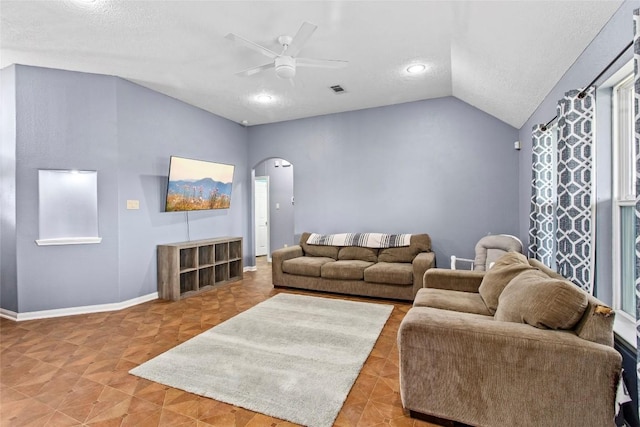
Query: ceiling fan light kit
(285, 67)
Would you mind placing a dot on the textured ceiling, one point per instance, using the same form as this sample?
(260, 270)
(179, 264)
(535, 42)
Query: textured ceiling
(502, 57)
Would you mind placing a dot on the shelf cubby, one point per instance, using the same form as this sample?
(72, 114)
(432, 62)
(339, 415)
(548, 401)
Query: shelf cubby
(205, 277)
(235, 269)
(222, 273)
(188, 258)
(189, 281)
(205, 255)
(222, 252)
(235, 250)
(187, 268)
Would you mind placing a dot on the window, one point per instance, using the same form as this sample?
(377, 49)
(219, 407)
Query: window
(623, 220)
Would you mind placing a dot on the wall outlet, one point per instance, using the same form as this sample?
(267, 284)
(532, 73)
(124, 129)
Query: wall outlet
(277, 205)
(133, 204)
(286, 246)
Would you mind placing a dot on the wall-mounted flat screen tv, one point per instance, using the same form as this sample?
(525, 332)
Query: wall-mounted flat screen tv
(198, 185)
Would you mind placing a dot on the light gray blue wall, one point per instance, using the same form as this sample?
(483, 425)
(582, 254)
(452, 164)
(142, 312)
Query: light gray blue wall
(151, 128)
(439, 166)
(281, 220)
(610, 41)
(8, 273)
(68, 120)
(65, 120)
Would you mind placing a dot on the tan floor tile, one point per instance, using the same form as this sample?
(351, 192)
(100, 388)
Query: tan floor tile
(150, 391)
(182, 402)
(25, 412)
(74, 370)
(350, 415)
(142, 419)
(227, 420)
(404, 421)
(170, 418)
(58, 419)
(371, 416)
(115, 422)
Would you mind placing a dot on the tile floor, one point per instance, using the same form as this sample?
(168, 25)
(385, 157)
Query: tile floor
(73, 371)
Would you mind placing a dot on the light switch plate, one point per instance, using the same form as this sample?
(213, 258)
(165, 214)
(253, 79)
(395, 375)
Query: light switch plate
(133, 204)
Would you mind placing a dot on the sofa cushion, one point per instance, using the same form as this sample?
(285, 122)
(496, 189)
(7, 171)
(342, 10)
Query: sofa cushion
(542, 267)
(318, 250)
(356, 252)
(344, 270)
(467, 302)
(419, 243)
(305, 265)
(498, 277)
(534, 298)
(392, 273)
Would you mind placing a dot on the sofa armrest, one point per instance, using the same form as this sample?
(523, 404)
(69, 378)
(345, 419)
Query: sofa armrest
(476, 370)
(453, 280)
(284, 254)
(424, 261)
(278, 257)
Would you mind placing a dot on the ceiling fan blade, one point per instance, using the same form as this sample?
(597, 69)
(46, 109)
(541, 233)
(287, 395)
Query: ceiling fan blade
(301, 37)
(321, 63)
(251, 45)
(254, 70)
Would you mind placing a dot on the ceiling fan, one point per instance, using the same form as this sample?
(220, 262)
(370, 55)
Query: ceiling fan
(285, 62)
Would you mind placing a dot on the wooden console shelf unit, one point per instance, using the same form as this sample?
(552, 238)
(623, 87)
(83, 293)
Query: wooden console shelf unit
(187, 268)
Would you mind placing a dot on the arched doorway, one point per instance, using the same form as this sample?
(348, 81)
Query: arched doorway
(273, 199)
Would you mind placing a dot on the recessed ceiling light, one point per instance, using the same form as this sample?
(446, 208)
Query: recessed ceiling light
(416, 68)
(264, 98)
(87, 4)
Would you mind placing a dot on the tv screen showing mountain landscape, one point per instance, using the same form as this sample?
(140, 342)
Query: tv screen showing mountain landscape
(198, 185)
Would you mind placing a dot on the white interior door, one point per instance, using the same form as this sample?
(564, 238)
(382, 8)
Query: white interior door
(262, 215)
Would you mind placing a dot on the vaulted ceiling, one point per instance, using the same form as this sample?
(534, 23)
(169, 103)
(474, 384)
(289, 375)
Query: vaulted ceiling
(502, 57)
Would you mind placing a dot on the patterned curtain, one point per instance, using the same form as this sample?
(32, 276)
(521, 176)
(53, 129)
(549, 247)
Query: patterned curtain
(541, 217)
(636, 101)
(576, 204)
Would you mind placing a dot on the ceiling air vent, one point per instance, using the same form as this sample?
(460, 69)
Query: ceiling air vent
(337, 89)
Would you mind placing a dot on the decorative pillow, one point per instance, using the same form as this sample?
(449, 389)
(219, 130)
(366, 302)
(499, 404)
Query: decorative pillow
(537, 300)
(358, 253)
(498, 277)
(419, 243)
(317, 250)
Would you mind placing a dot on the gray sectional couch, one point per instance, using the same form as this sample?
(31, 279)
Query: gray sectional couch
(394, 273)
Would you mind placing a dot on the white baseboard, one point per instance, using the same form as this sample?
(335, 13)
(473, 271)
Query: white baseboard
(8, 314)
(250, 268)
(60, 312)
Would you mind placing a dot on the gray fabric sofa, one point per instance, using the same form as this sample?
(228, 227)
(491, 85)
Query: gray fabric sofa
(515, 346)
(394, 273)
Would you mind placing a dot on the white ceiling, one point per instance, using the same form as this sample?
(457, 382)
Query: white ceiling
(502, 57)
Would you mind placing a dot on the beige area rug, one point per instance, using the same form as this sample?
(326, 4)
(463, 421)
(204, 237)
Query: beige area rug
(293, 357)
